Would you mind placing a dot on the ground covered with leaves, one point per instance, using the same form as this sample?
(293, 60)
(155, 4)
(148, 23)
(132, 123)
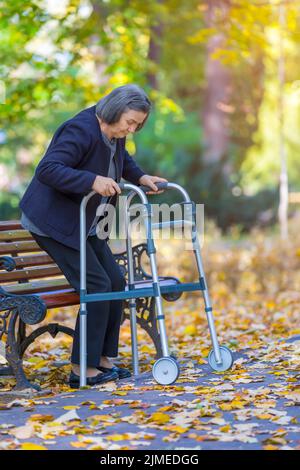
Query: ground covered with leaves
(254, 285)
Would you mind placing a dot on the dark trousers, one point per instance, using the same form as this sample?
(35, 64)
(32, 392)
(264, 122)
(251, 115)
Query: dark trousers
(103, 275)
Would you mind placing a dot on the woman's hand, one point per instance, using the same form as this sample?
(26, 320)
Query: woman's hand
(106, 186)
(148, 180)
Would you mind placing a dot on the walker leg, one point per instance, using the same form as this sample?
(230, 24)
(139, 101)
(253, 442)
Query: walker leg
(220, 358)
(208, 307)
(83, 346)
(160, 315)
(134, 342)
(132, 302)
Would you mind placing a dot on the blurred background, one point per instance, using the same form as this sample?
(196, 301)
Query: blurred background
(223, 77)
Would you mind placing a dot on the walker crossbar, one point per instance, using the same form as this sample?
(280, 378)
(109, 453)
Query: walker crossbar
(141, 292)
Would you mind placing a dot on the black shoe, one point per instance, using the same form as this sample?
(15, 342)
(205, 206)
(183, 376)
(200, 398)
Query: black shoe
(74, 379)
(122, 373)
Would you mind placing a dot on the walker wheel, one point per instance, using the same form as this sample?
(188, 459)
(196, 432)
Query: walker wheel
(165, 371)
(226, 357)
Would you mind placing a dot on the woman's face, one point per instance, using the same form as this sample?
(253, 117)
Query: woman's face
(128, 123)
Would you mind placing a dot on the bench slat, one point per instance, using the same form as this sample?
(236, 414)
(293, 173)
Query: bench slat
(26, 274)
(19, 247)
(39, 286)
(10, 225)
(7, 235)
(65, 298)
(33, 260)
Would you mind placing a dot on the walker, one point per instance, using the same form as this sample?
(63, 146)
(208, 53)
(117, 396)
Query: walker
(166, 369)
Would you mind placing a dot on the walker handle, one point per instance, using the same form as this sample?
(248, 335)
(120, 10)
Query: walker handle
(160, 185)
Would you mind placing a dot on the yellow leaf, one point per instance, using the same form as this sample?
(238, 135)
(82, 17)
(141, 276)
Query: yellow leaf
(159, 418)
(238, 404)
(147, 349)
(71, 407)
(295, 331)
(82, 430)
(40, 364)
(205, 352)
(148, 436)
(270, 305)
(225, 428)
(225, 407)
(32, 446)
(78, 444)
(99, 418)
(41, 418)
(201, 361)
(166, 408)
(34, 360)
(264, 416)
(190, 330)
(266, 404)
(178, 429)
(54, 424)
(117, 437)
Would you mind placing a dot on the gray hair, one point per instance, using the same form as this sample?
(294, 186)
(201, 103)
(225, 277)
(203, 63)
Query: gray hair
(120, 100)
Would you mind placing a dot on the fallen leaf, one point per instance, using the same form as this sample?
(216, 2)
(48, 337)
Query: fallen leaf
(32, 446)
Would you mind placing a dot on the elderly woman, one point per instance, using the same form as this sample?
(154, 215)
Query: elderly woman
(87, 152)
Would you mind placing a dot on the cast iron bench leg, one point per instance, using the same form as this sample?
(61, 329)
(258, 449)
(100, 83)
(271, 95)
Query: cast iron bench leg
(13, 357)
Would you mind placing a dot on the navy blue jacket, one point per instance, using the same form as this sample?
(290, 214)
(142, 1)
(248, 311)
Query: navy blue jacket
(66, 173)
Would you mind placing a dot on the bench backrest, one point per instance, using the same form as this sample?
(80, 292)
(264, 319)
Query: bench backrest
(32, 264)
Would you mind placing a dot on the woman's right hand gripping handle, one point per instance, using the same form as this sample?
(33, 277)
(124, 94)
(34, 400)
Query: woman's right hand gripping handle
(106, 186)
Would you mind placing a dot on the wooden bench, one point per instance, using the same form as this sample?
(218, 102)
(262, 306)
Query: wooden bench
(31, 283)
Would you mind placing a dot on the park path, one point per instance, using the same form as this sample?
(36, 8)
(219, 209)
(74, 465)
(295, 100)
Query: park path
(253, 406)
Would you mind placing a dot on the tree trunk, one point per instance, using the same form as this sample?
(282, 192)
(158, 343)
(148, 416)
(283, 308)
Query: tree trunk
(154, 52)
(215, 117)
